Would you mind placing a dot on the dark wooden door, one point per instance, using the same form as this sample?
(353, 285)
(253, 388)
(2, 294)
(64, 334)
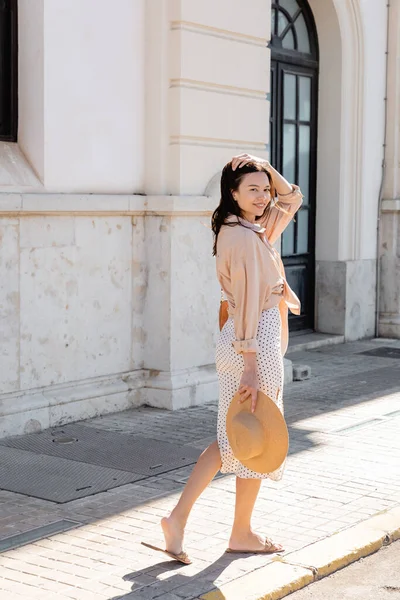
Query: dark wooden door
(293, 135)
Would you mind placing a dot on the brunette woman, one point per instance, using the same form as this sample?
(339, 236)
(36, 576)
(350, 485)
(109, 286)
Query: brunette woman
(257, 204)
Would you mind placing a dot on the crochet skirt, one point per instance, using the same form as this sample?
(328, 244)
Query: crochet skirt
(230, 367)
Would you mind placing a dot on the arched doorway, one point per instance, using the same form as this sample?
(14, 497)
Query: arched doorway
(293, 135)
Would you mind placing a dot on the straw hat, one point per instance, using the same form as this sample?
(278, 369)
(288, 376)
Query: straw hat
(259, 440)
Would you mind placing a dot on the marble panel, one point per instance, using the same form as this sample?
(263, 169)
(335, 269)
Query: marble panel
(179, 389)
(76, 305)
(360, 299)
(40, 232)
(194, 293)
(139, 291)
(389, 305)
(24, 422)
(9, 305)
(157, 300)
(390, 262)
(345, 298)
(330, 301)
(88, 408)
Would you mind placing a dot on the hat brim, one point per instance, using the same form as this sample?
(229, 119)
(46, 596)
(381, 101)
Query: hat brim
(276, 433)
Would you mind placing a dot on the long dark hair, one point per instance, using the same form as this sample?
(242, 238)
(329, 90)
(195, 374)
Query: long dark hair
(230, 181)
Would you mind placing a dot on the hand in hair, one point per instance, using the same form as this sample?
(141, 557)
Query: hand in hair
(242, 159)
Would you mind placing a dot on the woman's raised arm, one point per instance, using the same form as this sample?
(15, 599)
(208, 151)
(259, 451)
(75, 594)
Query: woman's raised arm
(284, 206)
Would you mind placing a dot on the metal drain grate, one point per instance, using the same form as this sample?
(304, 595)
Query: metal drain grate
(39, 533)
(383, 352)
(56, 479)
(75, 461)
(111, 449)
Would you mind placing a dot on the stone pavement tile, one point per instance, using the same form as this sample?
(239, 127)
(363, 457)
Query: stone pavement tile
(13, 573)
(169, 596)
(121, 584)
(52, 586)
(79, 594)
(11, 587)
(192, 589)
(157, 590)
(9, 564)
(319, 494)
(329, 528)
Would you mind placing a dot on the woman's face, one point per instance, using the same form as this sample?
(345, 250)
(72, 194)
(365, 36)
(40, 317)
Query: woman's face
(253, 195)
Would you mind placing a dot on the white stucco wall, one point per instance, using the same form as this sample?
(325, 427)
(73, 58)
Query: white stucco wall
(329, 140)
(102, 296)
(374, 16)
(208, 94)
(31, 134)
(351, 125)
(82, 95)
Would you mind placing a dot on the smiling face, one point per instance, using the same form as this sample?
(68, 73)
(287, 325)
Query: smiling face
(253, 195)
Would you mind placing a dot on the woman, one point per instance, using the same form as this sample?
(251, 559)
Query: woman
(256, 205)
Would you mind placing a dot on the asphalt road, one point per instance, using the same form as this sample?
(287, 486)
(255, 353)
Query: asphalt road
(376, 577)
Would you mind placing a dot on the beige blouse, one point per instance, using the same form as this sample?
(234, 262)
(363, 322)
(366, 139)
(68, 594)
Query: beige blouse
(251, 272)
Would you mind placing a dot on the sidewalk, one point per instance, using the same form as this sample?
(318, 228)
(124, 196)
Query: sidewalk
(343, 467)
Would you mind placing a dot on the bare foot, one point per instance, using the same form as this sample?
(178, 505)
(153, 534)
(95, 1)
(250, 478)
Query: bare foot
(173, 533)
(253, 542)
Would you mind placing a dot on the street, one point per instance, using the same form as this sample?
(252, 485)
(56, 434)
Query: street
(376, 577)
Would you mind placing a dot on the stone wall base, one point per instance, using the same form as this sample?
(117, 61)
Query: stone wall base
(345, 298)
(35, 410)
(38, 409)
(389, 326)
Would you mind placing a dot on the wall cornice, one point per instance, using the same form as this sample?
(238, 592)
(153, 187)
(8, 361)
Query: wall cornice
(221, 33)
(18, 205)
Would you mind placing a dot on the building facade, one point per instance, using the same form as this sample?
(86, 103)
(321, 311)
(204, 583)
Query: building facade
(116, 120)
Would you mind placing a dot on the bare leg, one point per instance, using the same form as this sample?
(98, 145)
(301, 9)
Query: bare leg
(203, 473)
(242, 535)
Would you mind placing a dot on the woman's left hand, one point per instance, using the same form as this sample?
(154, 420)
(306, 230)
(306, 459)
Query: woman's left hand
(248, 387)
(242, 159)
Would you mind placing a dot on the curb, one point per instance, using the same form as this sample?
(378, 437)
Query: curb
(287, 574)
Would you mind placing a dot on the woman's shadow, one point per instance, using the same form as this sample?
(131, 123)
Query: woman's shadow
(192, 585)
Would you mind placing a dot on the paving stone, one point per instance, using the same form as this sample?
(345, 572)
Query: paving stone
(319, 494)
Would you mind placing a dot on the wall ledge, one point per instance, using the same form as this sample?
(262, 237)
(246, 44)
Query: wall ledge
(41, 204)
(391, 205)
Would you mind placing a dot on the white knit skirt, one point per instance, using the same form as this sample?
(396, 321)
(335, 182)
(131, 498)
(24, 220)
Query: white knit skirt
(230, 367)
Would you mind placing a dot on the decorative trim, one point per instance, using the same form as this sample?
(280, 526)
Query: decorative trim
(182, 388)
(352, 117)
(388, 318)
(218, 88)
(182, 378)
(232, 36)
(359, 133)
(24, 205)
(191, 140)
(391, 206)
(58, 394)
(27, 411)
